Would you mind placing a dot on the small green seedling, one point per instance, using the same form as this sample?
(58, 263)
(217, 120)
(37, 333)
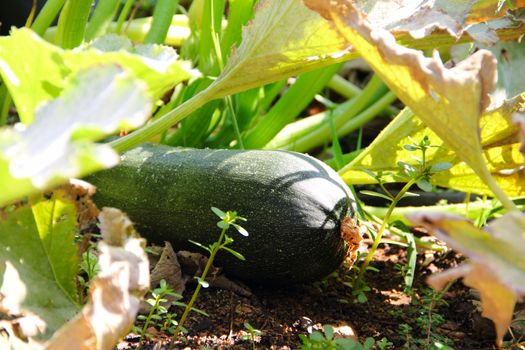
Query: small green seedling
(318, 340)
(159, 314)
(228, 219)
(418, 174)
(252, 333)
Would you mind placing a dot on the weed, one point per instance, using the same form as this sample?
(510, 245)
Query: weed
(427, 320)
(159, 314)
(252, 333)
(418, 174)
(326, 341)
(228, 219)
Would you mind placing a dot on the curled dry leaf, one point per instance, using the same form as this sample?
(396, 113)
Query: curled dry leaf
(448, 101)
(168, 269)
(194, 263)
(497, 268)
(116, 292)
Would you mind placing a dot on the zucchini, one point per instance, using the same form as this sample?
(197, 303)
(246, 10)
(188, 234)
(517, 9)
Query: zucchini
(293, 203)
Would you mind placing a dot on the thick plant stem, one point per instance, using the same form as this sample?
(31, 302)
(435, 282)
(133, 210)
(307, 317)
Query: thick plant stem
(123, 15)
(163, 123)
(47, 16)
(72, 23)
(162, 16)
(216, 247)
(377, 238)
(498, 192)
(101, 18)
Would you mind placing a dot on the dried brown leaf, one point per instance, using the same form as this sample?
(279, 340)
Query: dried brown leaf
(116, 292)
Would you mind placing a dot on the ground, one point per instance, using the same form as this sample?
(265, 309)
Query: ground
(406, 320)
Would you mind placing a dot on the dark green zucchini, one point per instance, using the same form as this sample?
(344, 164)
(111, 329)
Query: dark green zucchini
(293, 204)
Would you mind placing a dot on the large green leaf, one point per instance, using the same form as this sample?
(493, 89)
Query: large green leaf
(448, 101)
(59, 143)
(500, 151)
(36, 71)
(38, 261)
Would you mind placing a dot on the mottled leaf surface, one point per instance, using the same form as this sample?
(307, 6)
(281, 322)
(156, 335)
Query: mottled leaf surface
(59, 143)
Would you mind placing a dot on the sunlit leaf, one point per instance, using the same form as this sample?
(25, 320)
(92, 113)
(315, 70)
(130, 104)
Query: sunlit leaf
(58, 144)
(497, 255)
(449, 101)
(34, 258)
(36, 71)
(511, 76)
(116, 293)
(500, 151)
(284, 38)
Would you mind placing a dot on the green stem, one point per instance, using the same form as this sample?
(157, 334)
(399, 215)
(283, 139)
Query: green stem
(346, 119)
(123, 15)
(289, 106)
(72, 23)
(101, 18)
(138, 28)
(46, 16)
(220, 61)
(150, 315)
(163, 123)
(377, 238)
(216, 247)
(343, 87)
(498, 192)
(6, 103)
(162, 16)
(346, 89)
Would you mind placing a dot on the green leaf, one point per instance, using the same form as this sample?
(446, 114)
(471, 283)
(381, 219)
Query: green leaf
(376, 194)
(56, 223)
(424, 185)
(202, 282)
(223, 225)
(36, 71)
(440, 166)
(218, 212)
(58, 144)
(241, 229)
(34, 260)
(234, 253)
(328, 331)
(200, 245)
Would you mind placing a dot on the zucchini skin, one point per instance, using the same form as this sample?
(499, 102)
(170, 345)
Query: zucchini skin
(293, 204)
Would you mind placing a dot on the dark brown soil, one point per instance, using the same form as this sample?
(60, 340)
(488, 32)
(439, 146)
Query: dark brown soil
(408, 320)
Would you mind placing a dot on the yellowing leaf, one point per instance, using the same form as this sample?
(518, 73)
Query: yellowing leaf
(500, 151)
(449, 101)
(497, 255)
(116, 292)
(285, 38)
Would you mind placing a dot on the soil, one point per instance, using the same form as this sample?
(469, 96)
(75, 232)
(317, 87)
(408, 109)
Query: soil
(406, 319)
